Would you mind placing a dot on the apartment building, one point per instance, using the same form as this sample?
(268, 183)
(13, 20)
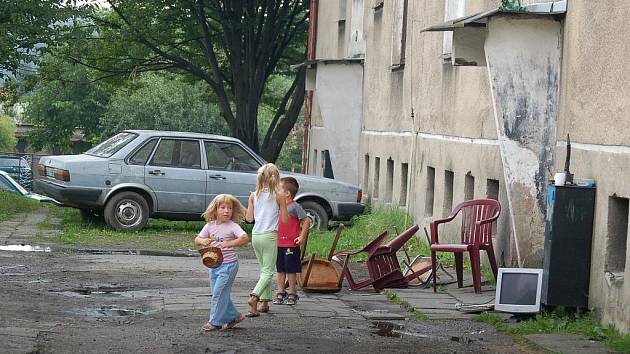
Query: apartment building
(429, 103)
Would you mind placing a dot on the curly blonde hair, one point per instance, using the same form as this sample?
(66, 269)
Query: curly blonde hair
(268, 177)
(238, 211)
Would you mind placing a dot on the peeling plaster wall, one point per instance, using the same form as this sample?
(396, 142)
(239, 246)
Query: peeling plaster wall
(594, 109)
(339, 92)
(523, 57)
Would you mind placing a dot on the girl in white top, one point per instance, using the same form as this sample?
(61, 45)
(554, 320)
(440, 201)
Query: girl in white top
(264, 207)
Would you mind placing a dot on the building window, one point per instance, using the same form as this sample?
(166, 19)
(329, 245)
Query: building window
(399, 32)
(389, 181)
(453, 9)
(428, 202)
(492, 189)
(404, 175)
(617, 234)
(447, 205)
(315, 164)
(377, 169)
(469, 187)
(341, 29)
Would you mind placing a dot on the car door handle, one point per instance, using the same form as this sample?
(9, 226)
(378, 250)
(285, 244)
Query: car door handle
(156, 173)
(216, 177)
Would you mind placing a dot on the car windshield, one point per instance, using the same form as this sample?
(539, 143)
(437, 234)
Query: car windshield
(110, 146)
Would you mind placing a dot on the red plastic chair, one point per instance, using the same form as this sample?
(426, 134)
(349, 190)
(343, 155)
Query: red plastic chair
(476, 234)
(382, 263)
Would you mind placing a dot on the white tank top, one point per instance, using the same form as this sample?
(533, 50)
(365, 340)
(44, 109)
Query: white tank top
(266, 213)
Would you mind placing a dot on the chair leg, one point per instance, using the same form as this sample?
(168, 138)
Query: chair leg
(476, 270)
(433, 271)
(493, 261)
(459, 268)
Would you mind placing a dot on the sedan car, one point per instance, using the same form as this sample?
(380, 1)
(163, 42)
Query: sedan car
(18, 168)
(138, 174)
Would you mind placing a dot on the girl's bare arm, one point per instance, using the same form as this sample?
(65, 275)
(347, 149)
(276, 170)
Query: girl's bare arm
(238, 242)
(249, 215)
(282, 203)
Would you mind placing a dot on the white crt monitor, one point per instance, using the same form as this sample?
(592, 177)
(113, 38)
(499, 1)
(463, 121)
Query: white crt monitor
(518, 290)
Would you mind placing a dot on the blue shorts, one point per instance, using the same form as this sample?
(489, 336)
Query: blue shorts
(288, 260)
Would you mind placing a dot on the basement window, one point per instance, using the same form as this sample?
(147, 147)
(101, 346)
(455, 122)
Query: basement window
(469, 187)
(447, 206)
(389, 181)
(492, 189)
(377, 170)
(404, 175)
(430, 193)
(366, 173)
(617, 242)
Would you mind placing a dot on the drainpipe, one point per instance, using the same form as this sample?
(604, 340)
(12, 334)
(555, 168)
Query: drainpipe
(310, 58)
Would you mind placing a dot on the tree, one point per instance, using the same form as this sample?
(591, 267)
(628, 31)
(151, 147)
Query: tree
(161, 102)
(63, 99)
(28, 28)
(7, 134)
(233, 46)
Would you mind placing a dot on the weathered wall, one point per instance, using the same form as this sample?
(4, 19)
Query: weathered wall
(523, 57)
(594, 110)
(337, 111)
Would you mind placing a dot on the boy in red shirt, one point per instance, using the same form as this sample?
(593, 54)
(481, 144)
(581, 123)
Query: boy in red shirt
(290, 236)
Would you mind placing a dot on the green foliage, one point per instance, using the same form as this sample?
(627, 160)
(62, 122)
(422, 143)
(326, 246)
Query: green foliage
(157, 234)
(162, 102)
(512, 6)
(11, 204)
(27, 29)
(559, 321)
(364, 229)
(63, 99)
(7, 134)
(234, 48)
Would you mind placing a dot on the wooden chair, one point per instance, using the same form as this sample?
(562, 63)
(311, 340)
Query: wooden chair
(382, 263)
(475, 235)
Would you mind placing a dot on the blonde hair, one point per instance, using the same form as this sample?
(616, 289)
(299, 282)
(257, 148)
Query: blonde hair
(238, 211)
(268, 177)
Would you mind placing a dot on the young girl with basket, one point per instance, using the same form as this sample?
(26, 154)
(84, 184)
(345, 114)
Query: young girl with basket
(222, 217)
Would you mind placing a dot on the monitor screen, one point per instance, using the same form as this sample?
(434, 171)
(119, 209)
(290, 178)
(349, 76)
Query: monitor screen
(518, 290)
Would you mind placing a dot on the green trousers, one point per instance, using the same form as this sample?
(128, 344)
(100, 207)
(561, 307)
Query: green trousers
(265, 247)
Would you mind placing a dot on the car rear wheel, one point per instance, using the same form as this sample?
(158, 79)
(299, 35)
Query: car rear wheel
(127, 211)
(317, 214)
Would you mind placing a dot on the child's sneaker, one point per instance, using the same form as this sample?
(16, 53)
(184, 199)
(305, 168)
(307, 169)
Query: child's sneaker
(280, 297)
(292, 299)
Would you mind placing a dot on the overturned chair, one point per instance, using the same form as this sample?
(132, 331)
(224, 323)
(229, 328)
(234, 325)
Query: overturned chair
(382, 263)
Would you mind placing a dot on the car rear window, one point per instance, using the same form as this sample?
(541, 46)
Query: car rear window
(12, 161)
(111, 146)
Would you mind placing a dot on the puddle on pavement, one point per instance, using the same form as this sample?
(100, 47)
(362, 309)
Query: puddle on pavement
(385, 329)
(114, 311)
(25, 248)
(109, 291)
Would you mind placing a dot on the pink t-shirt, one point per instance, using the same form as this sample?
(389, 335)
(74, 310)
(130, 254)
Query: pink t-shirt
(228, 231)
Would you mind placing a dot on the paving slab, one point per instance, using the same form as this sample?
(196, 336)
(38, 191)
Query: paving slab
(569, 344)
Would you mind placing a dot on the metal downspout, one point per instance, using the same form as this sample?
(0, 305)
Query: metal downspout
(308, 105)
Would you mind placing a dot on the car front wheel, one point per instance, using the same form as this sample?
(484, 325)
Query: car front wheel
(127, 211)
(317, 214)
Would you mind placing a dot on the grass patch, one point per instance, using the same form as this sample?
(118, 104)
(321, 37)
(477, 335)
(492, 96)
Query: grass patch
(157, 234)
(11, 204)
(364, 229)
(559, 321)
(393, 297)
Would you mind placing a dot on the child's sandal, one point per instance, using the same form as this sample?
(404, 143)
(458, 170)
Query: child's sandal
(280, 297)
(253, 305)
(292, 299)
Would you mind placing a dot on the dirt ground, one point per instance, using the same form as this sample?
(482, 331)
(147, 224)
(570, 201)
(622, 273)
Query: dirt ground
(66, 301)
